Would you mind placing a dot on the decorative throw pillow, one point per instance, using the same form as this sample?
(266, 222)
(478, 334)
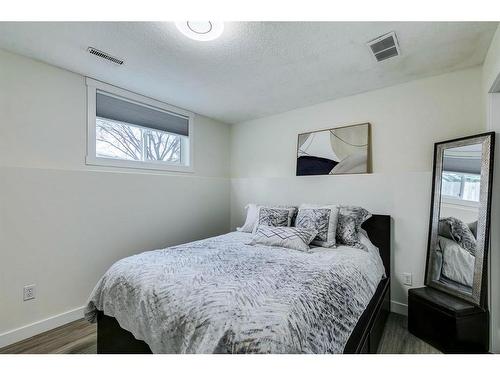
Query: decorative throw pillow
(349, 224)
(275, 216)
(359, 214)
(348, 233)
(289, 237)
(473, 228)
(321, 218)
(461, 233)
(444, 229)
(252, 217)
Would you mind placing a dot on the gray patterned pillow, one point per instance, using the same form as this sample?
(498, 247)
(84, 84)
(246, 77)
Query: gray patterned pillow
(289, 237)
(348, 233)
(275, 216)
(473, 228)
(349, 224)
(321, 218)
(460, 233)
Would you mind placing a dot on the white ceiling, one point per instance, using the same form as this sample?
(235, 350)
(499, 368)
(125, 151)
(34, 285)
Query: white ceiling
(254, 69)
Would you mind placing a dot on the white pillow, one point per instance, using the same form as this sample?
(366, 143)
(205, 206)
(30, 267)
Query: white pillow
(252, 217)
(323, 219)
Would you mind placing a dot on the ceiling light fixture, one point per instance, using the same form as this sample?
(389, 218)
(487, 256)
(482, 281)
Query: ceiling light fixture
(201, 30)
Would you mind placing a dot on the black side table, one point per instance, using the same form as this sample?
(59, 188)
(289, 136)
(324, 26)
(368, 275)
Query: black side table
(446, 322)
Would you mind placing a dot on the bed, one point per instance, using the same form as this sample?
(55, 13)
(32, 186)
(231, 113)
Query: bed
(455, 253)
(176, 315)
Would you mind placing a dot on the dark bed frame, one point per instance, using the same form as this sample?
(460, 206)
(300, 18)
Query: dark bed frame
(112, 339)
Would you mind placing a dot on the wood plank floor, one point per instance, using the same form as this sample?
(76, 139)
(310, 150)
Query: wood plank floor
(74, 338)
(397, 340)
(80, 338)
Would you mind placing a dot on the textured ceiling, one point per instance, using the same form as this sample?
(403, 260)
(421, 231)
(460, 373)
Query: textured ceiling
(254, 69)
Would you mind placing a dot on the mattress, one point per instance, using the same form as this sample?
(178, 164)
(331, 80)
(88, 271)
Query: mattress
(220, 295)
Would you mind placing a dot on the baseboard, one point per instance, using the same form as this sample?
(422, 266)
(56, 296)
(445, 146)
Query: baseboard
(27, 331)
(399, 308)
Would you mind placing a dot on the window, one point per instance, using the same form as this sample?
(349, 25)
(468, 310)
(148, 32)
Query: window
(462, 186)
(119, 140)
(129, 130)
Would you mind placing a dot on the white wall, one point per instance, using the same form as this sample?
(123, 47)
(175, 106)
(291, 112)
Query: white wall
(466, 212)
(491, 82)
(491, 66)
(62, 223)
(406, 121)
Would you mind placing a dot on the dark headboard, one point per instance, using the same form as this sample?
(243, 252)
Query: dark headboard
(378, 228)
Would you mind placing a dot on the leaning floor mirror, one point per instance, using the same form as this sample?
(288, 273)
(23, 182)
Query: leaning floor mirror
(457, 250)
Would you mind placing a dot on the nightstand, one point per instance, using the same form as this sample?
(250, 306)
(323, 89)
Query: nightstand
(446, 322)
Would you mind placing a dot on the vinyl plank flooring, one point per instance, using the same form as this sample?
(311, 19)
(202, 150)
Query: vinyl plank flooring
(79, 337)
(397, 340)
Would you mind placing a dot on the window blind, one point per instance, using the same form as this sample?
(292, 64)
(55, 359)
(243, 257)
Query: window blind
(113, 108)
(462, 165)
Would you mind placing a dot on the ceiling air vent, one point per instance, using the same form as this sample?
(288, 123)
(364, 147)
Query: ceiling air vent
(385, 46)
(104, 55)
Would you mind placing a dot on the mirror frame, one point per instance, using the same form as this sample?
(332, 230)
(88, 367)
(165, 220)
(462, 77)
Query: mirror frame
(480, 280)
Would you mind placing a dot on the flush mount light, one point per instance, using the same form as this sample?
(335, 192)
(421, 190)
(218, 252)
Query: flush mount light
(201, 30)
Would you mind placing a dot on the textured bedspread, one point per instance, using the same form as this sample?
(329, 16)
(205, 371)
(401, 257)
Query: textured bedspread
(221, 296)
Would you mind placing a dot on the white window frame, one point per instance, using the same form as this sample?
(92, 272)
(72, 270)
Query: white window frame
(460, 201)
(92, 159)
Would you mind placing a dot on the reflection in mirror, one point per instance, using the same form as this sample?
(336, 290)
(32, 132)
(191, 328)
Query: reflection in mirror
(458, 216)
(459, 219)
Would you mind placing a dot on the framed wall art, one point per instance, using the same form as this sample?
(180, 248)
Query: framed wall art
(343, 150)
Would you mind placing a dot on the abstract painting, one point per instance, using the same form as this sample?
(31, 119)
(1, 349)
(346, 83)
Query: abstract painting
(343, 150)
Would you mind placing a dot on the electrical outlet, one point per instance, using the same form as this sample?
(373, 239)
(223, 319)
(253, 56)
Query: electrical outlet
(29, 292)
(407, 279)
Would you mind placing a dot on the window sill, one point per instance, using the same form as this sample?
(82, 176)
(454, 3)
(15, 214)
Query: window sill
(134, 164)
(459, 202)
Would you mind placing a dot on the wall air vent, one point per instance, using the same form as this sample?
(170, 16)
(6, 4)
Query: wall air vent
(104, 55)
(385, 46)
